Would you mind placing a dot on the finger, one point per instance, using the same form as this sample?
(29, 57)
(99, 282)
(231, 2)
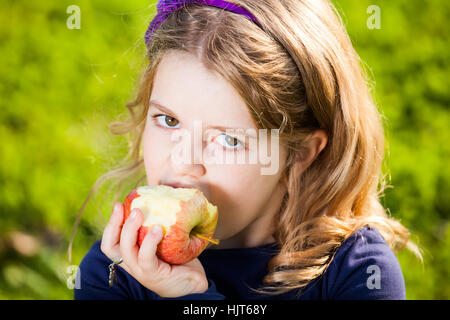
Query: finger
(147, 257)
(114, 226)
(128, 237)
(111, 234)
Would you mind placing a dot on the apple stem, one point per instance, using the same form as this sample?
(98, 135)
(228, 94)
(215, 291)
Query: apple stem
(200, 236)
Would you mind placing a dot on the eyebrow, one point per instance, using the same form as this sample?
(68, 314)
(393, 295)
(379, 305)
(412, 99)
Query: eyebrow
(173, 115)
(162, 108)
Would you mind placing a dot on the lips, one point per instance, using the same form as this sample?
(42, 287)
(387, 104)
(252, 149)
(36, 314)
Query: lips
(179, 185)
(204, 189)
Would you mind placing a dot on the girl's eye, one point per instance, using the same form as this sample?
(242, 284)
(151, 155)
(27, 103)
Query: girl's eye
(229, 141)
(167, 121)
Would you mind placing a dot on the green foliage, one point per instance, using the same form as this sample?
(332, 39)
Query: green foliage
(60, 88)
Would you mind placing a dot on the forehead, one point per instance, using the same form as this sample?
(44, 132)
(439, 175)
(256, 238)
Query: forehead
(191, 91)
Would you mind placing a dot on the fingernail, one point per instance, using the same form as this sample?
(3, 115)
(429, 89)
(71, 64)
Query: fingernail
(156, 229)
(133, 214)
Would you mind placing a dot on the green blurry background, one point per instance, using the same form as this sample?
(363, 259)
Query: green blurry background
(59, 89)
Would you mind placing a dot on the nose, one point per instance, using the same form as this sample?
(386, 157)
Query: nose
(194, 170)
(187, 155)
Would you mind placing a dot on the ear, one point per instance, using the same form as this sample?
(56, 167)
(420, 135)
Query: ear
(313, 146)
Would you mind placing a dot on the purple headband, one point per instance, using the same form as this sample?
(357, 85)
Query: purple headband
(167, 7)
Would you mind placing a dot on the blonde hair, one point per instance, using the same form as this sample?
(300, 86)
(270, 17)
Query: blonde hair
(299, 74)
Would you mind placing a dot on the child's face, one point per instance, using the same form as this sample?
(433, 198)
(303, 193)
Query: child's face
(246, 199)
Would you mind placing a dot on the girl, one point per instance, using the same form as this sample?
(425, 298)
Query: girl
(315, 228)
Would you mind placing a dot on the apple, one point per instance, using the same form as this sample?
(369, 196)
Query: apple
(186, 216)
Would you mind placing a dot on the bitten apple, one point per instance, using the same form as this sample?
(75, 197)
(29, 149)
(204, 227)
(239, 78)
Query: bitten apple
(186, 216)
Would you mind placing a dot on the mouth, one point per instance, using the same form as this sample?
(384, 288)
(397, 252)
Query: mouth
(179, 185)
(205, 190)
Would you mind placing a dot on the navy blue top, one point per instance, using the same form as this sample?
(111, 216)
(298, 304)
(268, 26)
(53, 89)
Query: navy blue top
(364, 267)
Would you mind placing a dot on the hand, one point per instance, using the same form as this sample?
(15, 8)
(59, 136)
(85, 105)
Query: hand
(142, 263)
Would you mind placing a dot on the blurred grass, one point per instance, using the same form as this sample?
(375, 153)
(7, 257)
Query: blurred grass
(59, 88)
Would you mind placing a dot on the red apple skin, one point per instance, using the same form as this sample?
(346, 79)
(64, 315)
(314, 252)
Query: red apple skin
(177, 247)
(127, 203)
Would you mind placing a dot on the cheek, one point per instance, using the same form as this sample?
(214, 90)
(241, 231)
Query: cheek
(239, 193)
